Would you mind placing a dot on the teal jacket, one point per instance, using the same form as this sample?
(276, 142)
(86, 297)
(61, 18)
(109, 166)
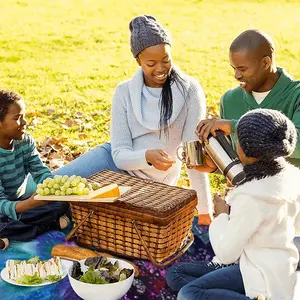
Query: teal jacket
(284, 96)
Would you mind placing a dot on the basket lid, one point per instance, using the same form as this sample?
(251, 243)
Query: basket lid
(145, 195)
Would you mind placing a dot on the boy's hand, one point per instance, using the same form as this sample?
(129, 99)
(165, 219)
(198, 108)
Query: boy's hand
(30, 203)
(159, 159)
(220, 205)
(205, 127)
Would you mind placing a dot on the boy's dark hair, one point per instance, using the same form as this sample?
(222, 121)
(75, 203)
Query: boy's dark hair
(7, 98)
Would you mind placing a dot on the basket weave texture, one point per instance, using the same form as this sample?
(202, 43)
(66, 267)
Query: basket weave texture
(162, 214)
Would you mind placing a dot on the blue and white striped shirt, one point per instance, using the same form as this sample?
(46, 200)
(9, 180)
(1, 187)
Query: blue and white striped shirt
(15, 165)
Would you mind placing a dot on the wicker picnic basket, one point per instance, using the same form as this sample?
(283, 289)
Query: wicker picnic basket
(150, 221)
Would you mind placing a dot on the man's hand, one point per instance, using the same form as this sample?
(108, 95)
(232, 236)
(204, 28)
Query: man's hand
(159, 159)
(205, 127)
(220, 206)
(30, 203)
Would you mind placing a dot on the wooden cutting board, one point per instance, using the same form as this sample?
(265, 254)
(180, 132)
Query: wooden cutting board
(86, 198)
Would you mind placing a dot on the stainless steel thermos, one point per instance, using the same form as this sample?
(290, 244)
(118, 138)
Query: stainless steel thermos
(220, 151)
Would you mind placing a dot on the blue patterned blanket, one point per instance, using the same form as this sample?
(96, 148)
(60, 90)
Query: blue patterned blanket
(150, 285)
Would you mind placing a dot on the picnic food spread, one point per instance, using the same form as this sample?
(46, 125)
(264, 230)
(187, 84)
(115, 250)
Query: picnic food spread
(76, 185)
(34, 271)
(100, 271)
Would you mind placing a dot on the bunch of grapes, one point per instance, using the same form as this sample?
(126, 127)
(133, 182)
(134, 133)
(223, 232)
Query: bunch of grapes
(64, 186)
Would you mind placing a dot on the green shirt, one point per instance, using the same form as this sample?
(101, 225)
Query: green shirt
(284, 96)
(15, 165)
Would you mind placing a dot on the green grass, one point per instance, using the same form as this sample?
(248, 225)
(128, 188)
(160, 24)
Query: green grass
(68, 55)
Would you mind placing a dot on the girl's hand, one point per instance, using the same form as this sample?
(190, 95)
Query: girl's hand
(220, 205)
(159, 159)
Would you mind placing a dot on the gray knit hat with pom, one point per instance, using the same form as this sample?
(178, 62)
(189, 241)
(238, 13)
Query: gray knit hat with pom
(146, 32)
(266, 134)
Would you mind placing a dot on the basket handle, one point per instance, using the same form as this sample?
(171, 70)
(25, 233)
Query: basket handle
(168, 260)
(73, 231)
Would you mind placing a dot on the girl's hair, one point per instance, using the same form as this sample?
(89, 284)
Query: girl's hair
(166, 100)
(6, 99)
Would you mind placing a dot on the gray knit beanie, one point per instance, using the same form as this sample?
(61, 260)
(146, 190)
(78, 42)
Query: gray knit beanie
(266, 134)
(146, 32)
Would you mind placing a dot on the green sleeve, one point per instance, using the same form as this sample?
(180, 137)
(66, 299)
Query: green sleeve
(223, 116)
(296, 121)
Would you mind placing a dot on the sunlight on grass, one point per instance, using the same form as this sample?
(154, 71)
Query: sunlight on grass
(69, 55)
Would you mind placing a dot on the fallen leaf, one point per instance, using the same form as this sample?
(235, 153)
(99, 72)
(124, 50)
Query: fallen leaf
(50, 111)
(83, 136)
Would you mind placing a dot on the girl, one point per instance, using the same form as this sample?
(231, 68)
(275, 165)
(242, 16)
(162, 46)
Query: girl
(263, 220)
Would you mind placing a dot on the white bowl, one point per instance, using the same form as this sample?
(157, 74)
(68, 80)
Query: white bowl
(110, 291)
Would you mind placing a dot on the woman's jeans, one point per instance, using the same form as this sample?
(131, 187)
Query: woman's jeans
(91, 162)
(207, 281)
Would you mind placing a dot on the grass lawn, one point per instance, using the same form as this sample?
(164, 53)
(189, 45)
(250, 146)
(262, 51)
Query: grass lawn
(66, 56)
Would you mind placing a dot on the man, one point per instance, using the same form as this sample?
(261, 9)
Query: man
(262, 85)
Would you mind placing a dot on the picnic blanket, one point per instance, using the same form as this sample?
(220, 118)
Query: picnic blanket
(150, 285)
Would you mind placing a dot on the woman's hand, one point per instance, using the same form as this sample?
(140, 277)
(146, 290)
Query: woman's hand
(159, 159)
(220, 206)
(205, 127)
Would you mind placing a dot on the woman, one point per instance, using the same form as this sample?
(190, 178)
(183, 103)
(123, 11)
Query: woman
(152, 114)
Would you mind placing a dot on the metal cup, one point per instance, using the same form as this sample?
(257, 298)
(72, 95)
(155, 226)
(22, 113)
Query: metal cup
(193, 154)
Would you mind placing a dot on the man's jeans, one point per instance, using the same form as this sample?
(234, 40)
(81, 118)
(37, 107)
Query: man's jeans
(201, 280)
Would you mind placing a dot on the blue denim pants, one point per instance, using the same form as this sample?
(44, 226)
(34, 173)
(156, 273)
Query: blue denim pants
(33, 222)
(91, 162)
(207, 281)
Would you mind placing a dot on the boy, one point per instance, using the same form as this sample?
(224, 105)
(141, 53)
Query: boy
(21, 217)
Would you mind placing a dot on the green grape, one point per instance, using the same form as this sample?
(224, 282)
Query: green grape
(57, 193)
(95, 186)
(74, 190)
(74, 183)
(69, 191)
(56, 186)
(72, 177)
(39, 191)
(63, 188)
(81, 185)
(46, 191)
(62, 193)
(86, 191)
(67, 184)
(57, 178)
(47, 180)
(44, 185)
(50, 185)
(80, 192)
(84, 181)
(52, 191)
(65, 178)
(40, 186)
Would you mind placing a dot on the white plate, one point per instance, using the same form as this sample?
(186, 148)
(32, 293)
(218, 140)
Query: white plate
(65, 267)
(123, 189)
